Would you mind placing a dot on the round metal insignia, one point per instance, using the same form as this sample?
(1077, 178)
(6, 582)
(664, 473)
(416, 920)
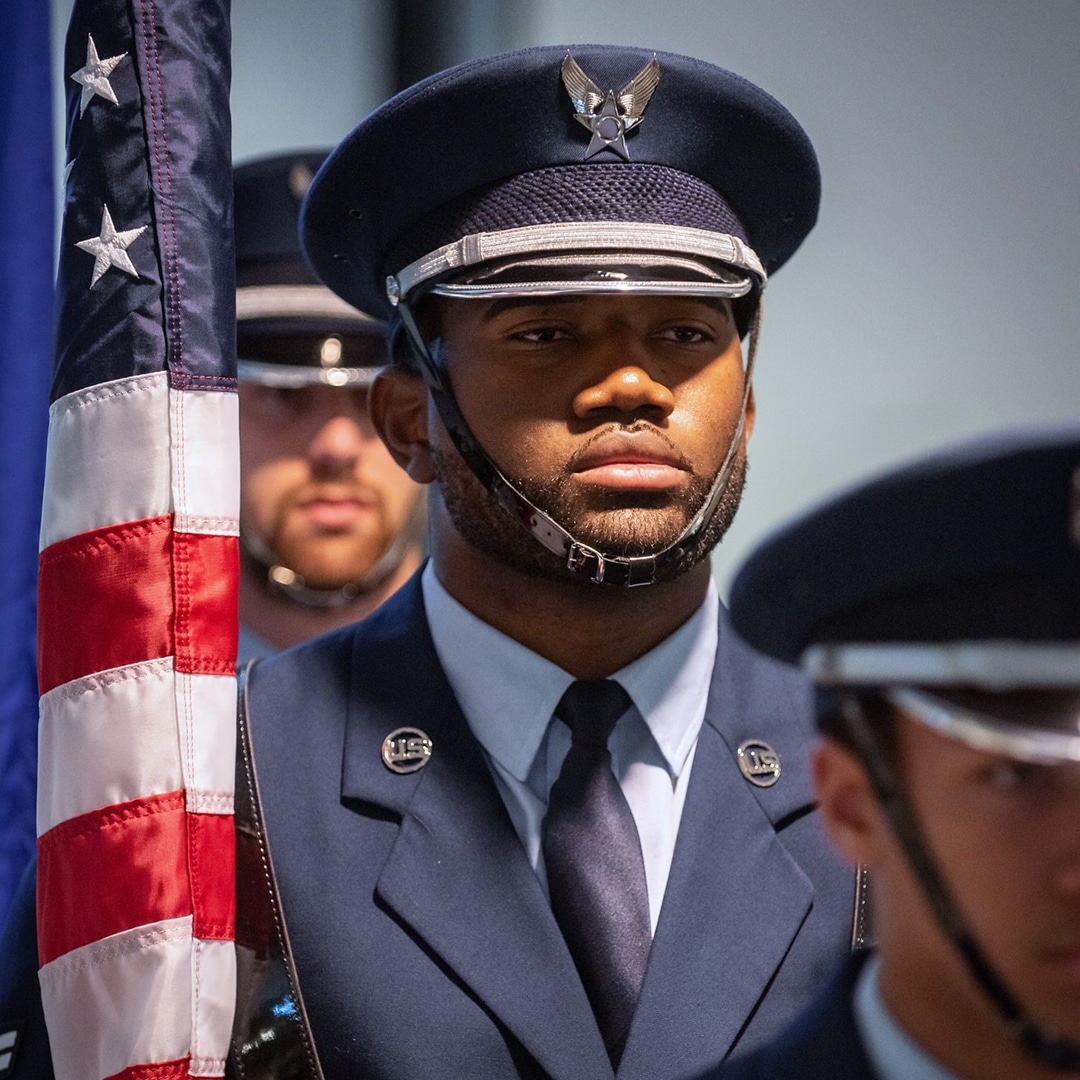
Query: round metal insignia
(759, 762)
(406, 750)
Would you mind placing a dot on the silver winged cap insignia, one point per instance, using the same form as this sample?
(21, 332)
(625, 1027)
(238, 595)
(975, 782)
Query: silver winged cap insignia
(634, 96)
(609, 116)
(584, 93)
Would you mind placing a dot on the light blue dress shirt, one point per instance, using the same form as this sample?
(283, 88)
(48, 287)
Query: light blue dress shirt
(508, 694)
(890, 1049)
(251, 647)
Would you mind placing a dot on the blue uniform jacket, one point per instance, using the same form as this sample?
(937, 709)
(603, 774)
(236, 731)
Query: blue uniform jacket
(823, 1044)
(424, 944)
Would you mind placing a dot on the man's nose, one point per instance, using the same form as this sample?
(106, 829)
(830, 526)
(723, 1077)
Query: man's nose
(627, 387)
(336, 447)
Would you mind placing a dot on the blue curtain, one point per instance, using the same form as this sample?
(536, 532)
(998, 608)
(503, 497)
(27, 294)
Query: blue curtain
(26, 334)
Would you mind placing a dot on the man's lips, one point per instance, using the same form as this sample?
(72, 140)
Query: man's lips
(334, 511)
(625, 461)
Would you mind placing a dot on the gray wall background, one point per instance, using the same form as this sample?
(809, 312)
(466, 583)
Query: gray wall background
(937, 297)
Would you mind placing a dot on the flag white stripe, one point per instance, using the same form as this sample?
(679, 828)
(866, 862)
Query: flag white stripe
(206, 480)
(112, 737)
(105, 739)
(135, 985)
(208, 526)
(139, 986)
(207, 713)
(109, 460)
(214, 1001)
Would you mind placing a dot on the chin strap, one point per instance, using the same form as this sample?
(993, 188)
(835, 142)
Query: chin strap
(1046, 1049)
(288, 583)
(580, 558)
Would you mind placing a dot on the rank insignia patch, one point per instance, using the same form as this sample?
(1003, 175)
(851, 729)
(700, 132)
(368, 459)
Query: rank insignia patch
(9, 1047)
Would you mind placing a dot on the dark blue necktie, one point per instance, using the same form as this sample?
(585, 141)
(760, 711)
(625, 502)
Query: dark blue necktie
(595, 871)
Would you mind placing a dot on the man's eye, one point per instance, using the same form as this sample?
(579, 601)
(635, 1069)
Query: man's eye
(686, 335)
(542, 335)
(291, 400)
(1018, 775)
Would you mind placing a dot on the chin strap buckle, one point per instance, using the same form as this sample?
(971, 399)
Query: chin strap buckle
(627, 572)
(585, 561)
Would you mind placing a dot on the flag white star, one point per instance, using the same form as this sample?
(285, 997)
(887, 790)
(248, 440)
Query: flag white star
(94, 75)
(109, 247)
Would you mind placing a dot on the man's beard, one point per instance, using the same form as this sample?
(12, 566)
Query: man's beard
(616, 524)
(356, 558)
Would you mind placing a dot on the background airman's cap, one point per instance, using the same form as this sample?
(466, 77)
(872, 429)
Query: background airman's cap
(291, 330)
(959, 576)
(552, 169)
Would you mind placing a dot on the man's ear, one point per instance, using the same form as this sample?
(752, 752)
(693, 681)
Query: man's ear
(398, 403)
(751, 412)
(847, 803)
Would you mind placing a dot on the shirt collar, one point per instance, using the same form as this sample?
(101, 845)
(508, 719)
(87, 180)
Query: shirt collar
(890, 1049)
(495, 678)
(670, 683)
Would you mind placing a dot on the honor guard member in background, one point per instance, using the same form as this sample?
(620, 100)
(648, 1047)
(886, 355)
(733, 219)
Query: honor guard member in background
(543, 814)
(939, 611)
(330, 525)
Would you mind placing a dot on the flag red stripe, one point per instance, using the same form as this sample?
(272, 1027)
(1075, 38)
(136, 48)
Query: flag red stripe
(107, 596)
(207, 570)
(126, 866)
(111, 870)
(105, 599)
(213, 875)
(163, 1070)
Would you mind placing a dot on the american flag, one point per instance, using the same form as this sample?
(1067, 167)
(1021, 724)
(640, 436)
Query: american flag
(138, 565)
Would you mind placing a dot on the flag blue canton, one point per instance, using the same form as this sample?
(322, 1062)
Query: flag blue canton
(146, 259)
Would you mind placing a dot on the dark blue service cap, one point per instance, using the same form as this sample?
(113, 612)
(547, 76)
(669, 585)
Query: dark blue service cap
(599, 148)
(291, 330)
(961, 570)
(267, 194)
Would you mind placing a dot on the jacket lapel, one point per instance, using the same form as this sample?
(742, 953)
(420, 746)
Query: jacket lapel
(735, 898)
(457, 874)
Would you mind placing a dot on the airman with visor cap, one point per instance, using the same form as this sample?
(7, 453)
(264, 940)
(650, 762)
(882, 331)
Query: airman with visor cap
(577, 170)
(947, 593)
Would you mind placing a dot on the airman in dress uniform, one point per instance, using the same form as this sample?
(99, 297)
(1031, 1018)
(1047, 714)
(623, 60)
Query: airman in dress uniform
(548, 817)
(330, 525)
(938, 609)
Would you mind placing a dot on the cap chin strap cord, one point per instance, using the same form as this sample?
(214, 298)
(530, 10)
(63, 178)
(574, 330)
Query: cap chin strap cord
(288, 583)
(1042, 1047)
(580, 558)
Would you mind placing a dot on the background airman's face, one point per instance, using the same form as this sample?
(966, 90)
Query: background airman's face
(317, 485)
(1005, 836)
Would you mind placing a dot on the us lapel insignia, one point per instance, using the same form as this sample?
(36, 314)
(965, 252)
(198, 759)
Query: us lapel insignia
(759, 763)
(406, 750)
(609, 116)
